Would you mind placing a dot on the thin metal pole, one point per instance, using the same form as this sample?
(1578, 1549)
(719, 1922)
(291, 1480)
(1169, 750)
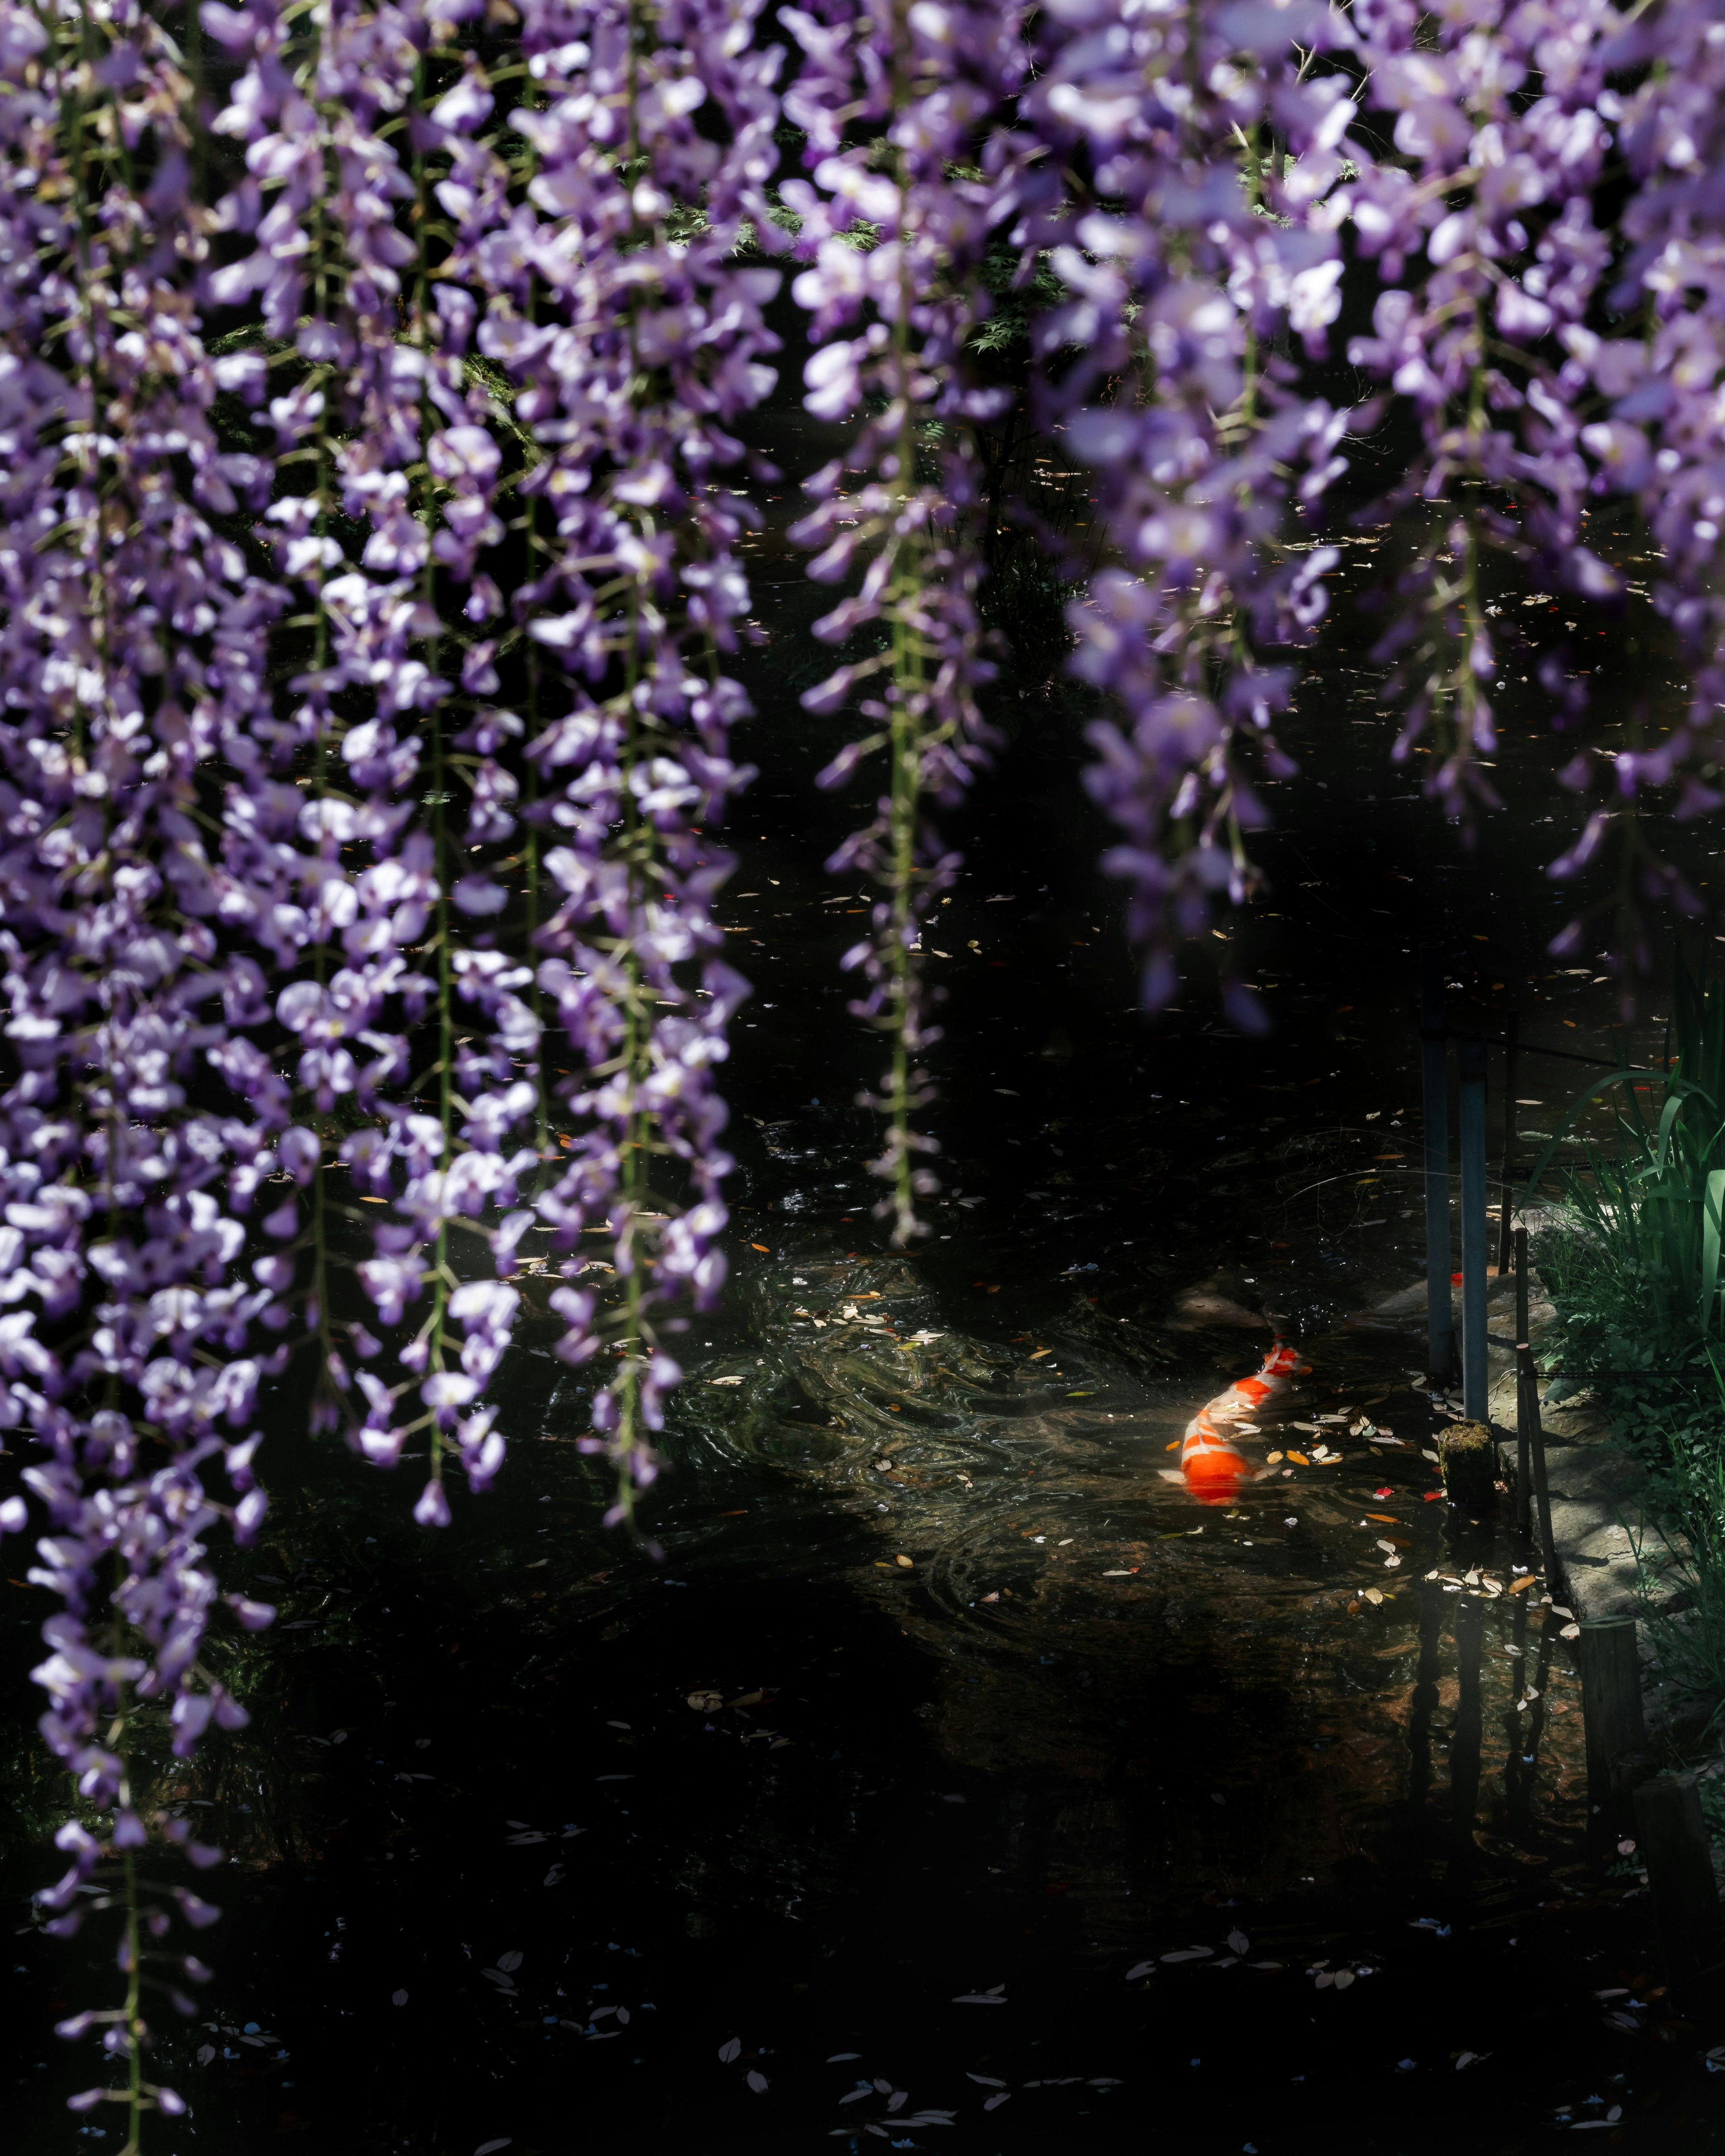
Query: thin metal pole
(1434, 1079)
(1506, 1180)
(1526, 1410)
(1471, 1065)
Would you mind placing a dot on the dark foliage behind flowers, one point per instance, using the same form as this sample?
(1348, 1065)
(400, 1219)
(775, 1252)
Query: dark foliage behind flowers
(370, 386)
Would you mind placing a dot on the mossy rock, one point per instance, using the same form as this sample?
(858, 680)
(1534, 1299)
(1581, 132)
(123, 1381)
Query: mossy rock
(1467, 1462)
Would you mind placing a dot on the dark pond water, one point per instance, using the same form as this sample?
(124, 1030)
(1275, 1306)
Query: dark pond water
(1105, 1821)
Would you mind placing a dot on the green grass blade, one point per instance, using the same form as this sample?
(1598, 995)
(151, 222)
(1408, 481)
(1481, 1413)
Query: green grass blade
(1673, 1109)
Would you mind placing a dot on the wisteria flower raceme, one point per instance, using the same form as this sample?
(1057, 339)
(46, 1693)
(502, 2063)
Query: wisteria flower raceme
(131, 649)
(1499, 348)
(588, 293)
(938, 78)
(1212, 228)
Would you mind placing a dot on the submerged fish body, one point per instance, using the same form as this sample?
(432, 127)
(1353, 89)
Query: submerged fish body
(1211, 1463)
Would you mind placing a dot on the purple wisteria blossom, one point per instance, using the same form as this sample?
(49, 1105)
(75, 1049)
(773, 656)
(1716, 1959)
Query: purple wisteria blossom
(1207, 229)
(1492, 190)
(1499, 290)
(1644, 390)
(389, 428)
(895, 230)
(131, 646)
(635, 343)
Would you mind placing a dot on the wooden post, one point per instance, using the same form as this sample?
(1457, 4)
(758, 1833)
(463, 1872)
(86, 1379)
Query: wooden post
(1434, 1086)
(1471, 1067)
(1526, 1410)
(1610, 1707)
(1527, 1399)
(1468, 1466)
(1672, 1839)
(1506, 1242)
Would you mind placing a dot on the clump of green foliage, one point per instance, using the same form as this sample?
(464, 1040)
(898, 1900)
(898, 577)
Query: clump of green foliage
(1633, 1269)
(1633, 1263)
(1682, 1556)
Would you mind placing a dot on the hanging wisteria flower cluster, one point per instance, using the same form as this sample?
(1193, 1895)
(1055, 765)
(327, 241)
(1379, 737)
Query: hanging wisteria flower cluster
(1206, 229)
(1550, 330)
(930, 190)
(372, 382)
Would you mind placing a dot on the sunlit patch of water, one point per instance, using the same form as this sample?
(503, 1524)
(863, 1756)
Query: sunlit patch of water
(1251, 1696)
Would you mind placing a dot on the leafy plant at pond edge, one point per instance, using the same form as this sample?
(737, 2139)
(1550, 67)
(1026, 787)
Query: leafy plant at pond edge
(1633, 1265)
(1679, 1554)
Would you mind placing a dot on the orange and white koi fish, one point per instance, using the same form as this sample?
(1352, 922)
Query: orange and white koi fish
(1210, 1463)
